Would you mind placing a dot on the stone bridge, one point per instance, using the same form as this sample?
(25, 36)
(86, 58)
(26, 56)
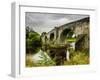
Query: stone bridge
(58, 37)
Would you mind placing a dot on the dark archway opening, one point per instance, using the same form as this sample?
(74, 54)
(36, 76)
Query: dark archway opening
(46, 39)
(64, 34)
(51, 36)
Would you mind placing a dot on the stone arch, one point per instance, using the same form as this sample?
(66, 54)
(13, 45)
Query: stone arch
(64, 34)
(51, 36)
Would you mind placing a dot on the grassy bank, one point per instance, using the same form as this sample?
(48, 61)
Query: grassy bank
(78, 58)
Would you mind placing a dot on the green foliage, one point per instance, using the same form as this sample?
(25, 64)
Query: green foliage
(33, 42)
(78, 58)
(71, 39)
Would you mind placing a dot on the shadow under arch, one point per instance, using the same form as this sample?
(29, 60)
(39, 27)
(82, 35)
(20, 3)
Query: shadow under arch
(51, 36)
(64, 34)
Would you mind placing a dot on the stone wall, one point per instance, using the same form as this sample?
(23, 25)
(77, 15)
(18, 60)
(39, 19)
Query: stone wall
(79, 27)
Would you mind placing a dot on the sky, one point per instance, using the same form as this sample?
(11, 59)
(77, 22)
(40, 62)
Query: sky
(45, 22)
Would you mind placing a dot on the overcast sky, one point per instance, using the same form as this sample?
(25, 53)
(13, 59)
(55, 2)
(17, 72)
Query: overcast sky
(44, 22)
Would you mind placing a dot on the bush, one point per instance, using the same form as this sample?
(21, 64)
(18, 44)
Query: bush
(78, 58)
(33, 42)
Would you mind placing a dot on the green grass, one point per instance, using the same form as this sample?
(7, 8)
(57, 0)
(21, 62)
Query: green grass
(71, 39)
(29, 61)
(44, 62)
(78, 58)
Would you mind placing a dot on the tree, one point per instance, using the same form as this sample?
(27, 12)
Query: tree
(33, 42)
